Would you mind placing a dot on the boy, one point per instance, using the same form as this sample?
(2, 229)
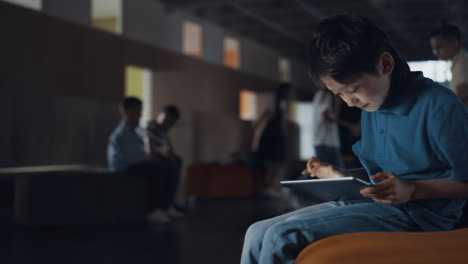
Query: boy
(159, 146)
(413, 145)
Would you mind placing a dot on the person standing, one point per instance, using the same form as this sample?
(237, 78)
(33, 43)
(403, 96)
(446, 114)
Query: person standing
(446, 43)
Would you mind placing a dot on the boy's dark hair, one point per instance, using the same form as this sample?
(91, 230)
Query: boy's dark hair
(346, 46)
(130, 103)
(448, 32)
(173, 111)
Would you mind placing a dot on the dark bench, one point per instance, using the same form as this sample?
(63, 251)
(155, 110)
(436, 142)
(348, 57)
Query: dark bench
(75, 194)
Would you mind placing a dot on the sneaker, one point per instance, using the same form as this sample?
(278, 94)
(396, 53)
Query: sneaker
(158, 216)
(174, 213)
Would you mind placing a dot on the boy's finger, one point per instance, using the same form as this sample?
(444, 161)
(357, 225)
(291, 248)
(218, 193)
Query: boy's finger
(380, 192)
(380, 176)
(384, 201)
(383, 184)
(312, 167)
(387, 195)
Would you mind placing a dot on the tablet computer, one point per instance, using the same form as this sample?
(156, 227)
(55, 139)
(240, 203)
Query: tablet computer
(336, 189)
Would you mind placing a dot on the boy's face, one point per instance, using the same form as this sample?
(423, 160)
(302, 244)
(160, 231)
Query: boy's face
(133, 115)
(367, 92)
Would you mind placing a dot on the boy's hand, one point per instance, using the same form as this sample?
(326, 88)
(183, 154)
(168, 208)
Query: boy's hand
(389, 190)
(321, 170)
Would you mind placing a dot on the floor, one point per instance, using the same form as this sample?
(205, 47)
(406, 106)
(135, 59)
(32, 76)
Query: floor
(211, 233)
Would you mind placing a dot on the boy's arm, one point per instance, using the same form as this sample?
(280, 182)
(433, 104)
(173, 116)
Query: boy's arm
(439, 188)
(390, 189)
(149, 149)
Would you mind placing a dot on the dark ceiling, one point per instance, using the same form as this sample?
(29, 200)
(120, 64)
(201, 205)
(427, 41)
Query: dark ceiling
(287, 25)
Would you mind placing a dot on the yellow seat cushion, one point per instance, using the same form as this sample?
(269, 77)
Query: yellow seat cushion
(449, 247)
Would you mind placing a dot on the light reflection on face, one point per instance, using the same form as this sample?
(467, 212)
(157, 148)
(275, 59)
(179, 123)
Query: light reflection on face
(367, 92)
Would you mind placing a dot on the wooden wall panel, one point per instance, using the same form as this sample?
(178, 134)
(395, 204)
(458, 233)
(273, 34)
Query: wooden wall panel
(61, 84)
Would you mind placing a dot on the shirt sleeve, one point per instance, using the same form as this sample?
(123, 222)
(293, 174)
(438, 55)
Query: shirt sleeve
(113, 154)
(448, 129)
(357, 148)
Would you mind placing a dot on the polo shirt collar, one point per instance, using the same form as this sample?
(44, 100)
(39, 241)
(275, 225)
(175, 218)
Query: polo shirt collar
(404, 97)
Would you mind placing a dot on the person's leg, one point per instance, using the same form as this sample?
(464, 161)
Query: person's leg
(178, 161)
(162, 184)
(162, 199)
(283, 241)
(176, 164)
(159, 196)
(169, 170)
(150, 173)
(171, 185)
(180, 202)
(255, 233)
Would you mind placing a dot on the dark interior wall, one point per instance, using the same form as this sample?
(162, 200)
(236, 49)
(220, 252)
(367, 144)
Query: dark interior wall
(40, 130)
(46, 56)
(61, 84)
(76, 11)
(208, 97)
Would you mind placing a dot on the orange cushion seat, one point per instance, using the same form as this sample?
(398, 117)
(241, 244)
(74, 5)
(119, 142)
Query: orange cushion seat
(449, 247)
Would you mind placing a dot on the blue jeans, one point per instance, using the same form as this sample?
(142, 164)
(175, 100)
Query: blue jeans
(282, 238)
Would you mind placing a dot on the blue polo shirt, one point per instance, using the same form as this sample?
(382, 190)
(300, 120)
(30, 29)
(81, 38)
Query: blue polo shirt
(423, 135)
(125, 147)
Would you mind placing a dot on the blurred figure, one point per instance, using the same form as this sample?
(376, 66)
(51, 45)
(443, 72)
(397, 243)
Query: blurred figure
(158, 145)
(463, 93)
(269, 141)
(349, 130)
(446, 43)
(325, 133)
(126, 147)
(126, 154)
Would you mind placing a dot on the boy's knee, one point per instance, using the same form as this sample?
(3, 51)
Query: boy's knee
(286, 241)
(257, 228)
(275, 231)
(253, 228)
(285, 232)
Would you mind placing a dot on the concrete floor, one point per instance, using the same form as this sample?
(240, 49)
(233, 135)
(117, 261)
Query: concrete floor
(212, 232)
